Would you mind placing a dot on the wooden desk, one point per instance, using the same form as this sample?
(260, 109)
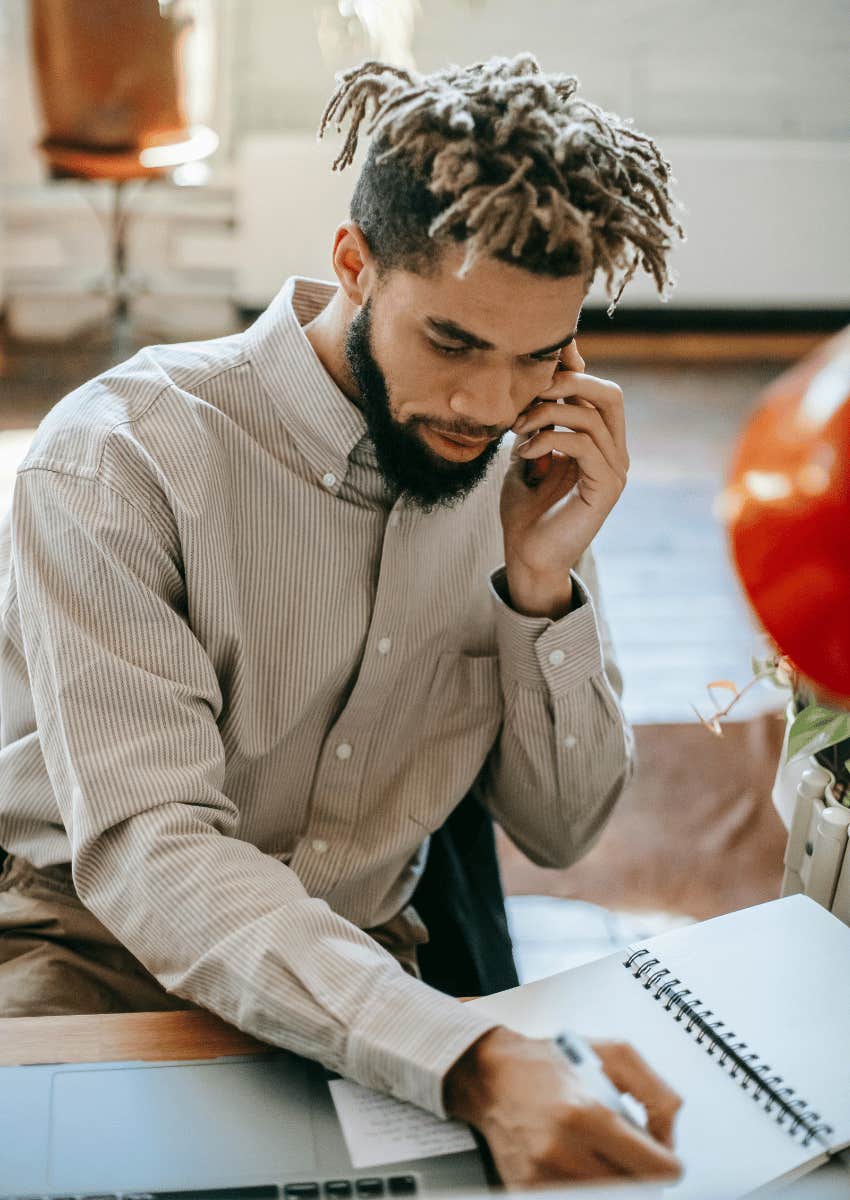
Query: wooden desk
(116, 1037)
(124, 1037)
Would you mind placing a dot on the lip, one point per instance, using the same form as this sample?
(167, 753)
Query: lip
(455, 449)
(457, 440)
(464, 441)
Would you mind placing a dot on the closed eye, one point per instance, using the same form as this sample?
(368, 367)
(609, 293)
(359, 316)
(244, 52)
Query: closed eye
(451, 351)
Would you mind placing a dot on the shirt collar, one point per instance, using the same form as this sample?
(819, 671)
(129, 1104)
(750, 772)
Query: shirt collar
(324, 422)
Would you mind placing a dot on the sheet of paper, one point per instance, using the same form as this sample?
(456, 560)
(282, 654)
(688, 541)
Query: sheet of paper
(379, 1129)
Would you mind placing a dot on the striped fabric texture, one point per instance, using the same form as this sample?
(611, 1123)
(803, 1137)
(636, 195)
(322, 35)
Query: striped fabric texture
(240, 684)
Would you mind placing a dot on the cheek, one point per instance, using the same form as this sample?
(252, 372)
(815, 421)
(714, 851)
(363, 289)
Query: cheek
(538, 380)
(399, 357)
(526, 385)
(418, 385)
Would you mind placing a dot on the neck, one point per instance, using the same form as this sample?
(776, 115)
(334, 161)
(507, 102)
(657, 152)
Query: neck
(326, 334)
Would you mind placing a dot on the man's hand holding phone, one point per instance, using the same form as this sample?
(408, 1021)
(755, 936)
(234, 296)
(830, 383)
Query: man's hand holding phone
(568, 469)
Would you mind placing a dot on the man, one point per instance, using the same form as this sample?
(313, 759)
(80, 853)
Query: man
(257, 642)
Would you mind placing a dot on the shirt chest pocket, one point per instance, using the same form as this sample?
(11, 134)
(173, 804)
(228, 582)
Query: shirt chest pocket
(460, 723)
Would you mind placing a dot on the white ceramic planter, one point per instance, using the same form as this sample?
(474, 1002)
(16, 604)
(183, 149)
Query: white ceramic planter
(788, 775)
(829, 795)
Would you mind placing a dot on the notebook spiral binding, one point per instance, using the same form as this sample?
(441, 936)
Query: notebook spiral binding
(732, 1053)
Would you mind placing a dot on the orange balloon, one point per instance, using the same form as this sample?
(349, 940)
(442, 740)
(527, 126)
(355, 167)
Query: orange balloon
(787, 509)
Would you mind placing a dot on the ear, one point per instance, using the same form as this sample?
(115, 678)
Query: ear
(353, 263)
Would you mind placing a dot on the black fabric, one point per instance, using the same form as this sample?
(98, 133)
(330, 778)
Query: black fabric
(460, 900)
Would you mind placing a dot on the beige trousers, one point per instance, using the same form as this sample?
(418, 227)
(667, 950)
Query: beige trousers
(56, 959)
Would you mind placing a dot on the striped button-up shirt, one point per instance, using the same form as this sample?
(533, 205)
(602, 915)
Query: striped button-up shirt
(241, 682)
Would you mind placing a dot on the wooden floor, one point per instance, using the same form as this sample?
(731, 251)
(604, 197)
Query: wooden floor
(674, 607)
(677, 615)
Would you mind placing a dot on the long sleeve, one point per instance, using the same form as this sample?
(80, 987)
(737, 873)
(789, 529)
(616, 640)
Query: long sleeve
(565, 750)
(127, 702)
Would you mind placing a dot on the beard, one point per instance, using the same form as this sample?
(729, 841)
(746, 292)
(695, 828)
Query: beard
(407, 466)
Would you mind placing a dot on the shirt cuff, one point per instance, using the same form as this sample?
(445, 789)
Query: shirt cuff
(546, 655)
(406, 1041)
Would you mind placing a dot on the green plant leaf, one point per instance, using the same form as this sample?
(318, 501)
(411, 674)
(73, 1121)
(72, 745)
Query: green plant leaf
(815, 728)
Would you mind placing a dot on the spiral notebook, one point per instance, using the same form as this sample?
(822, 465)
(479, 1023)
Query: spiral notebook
(747, 1016)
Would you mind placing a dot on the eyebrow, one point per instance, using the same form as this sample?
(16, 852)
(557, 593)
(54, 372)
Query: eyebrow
(450, 329)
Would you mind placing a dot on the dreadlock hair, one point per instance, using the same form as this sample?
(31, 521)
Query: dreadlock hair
(508, 161)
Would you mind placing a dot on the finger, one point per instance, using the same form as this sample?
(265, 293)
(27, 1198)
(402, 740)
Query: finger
(603, 394)
(571, 358)
(627, 1147)
(630, 1072)
(581, 419)
(568, 1157)
(574, 1159)
(579, 446)
(587, 1166)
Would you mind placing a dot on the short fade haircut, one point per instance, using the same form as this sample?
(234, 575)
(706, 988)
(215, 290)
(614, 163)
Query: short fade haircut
(509, 162)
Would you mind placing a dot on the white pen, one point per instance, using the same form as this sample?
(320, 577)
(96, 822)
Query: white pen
(588, 1066)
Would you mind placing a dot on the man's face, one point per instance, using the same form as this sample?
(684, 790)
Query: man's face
(437, 355)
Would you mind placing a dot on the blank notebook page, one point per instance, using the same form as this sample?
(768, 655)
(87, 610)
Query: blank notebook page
(778, 976)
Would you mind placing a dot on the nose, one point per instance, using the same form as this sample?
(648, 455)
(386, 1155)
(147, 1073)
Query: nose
(485, 402)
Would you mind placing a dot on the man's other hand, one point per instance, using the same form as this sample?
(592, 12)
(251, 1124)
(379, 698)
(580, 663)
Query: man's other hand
(542, 1125)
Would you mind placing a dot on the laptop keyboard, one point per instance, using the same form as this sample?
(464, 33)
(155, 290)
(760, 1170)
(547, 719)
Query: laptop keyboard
(361, 1188)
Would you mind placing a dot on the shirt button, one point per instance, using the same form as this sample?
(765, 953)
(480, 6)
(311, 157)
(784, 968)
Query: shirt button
(329, 479)
(384, 646)
(319, 845)
(570, 741)
(343, 750)
(556, 658)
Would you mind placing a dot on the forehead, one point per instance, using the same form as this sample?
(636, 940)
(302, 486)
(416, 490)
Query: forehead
(512, 308)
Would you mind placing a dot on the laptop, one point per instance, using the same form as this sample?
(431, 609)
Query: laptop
(251, 1127)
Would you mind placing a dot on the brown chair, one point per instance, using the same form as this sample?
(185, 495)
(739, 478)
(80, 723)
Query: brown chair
(110, 79)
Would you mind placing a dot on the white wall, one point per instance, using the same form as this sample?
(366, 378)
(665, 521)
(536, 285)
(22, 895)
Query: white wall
(721, 68)
(771, 74)
(749, 99)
